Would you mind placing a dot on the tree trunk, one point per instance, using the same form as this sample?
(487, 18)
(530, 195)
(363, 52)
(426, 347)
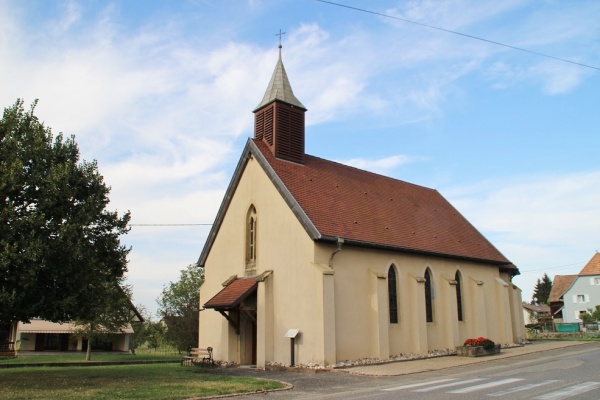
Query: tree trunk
(88, 354)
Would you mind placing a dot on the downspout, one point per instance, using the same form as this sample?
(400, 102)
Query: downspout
(340, 242)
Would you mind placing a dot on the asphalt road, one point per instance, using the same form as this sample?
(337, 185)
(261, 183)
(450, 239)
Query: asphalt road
(567, 373)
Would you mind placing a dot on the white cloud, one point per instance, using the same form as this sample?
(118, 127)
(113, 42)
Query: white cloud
(558, 78)
(164, 110)
(538, 222)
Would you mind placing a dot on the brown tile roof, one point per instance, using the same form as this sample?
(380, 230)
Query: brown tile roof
(233, 294)
(592, 267)
(559, 286)
(368, 208)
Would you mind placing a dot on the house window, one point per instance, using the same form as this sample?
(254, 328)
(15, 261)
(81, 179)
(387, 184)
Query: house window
(251, 239)
(428, 296)
(581, 298)
(595, 280)
(393, 295)
(457, 278)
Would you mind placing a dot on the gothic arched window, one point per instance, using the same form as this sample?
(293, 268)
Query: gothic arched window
(393, 295)
(428, 296)
(251, 238)
(458, 279)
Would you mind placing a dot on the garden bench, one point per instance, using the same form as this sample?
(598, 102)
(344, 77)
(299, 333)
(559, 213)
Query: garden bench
(199, 356)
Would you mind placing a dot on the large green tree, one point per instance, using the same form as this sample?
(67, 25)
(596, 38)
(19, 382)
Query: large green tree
(542, 289)
(179, 307)
(59, 246)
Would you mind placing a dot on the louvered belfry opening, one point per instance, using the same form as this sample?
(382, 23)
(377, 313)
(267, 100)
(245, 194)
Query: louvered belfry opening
(279, 118)
(281, 127)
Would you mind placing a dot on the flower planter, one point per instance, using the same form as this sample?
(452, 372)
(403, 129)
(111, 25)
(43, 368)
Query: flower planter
(476, 351)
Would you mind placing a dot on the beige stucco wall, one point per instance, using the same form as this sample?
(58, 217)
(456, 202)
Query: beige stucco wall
(360, 308)
(342, 313)
(294, 291)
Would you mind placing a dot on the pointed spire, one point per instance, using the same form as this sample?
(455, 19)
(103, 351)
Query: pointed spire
(279, 88)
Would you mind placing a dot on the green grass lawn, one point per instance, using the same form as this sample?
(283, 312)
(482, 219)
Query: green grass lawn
(79, 357)
(144, 381)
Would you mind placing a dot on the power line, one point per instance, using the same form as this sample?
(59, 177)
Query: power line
(553, 268)
(458, 33)
(170, 224)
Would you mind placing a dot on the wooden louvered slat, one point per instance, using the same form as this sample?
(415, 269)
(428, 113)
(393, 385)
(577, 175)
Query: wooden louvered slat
(268, 136)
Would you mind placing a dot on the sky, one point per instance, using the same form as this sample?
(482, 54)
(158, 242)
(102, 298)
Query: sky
(161, 94)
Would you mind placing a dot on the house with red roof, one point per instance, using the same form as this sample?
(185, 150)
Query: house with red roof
(573, 295)
(311, 262)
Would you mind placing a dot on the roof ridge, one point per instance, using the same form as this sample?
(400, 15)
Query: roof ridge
(368, 172)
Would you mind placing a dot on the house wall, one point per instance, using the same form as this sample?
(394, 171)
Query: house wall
(27, 341)
(120, 342)
(583, 286)
(294, 296)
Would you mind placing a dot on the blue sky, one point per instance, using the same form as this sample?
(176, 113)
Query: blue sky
(161, 94)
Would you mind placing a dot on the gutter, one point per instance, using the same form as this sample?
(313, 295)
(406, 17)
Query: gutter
(502, 265)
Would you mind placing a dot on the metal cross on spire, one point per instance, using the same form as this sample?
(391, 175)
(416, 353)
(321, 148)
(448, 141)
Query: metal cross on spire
(280, 34)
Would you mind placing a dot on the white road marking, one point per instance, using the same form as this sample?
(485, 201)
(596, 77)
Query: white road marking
(483, 386)
(522, 388)
(570, 391)
(414, 385)
(431, 388)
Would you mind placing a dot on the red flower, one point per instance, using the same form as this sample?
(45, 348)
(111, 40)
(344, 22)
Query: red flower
(480, 341)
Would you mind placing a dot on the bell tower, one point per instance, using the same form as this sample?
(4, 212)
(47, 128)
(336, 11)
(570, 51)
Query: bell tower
(279, 118)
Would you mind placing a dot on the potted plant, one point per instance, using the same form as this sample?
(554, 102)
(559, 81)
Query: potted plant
(477, 347)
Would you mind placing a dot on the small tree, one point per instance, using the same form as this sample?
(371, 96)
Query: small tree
(109, 316)
(179, 306)
(542, 289)
(147, 333)
(590, 316)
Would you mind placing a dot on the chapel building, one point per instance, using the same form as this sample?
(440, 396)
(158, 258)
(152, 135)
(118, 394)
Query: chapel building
(351, 263)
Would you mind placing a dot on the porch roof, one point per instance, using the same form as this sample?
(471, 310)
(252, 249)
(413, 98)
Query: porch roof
(43, 326)
(233, 294)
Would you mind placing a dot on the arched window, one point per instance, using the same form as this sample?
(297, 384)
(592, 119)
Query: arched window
(458, 279)
(251, 238)
(393, 295)
(428, 296)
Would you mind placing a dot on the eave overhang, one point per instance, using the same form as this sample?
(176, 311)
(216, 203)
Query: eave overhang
(511, 269)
